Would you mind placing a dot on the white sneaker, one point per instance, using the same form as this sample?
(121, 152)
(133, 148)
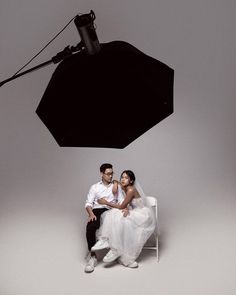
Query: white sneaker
(92, 262)
(112, 255)
(101, 244)
(133, 264)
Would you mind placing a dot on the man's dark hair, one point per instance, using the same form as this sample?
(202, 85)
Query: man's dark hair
(105, 166)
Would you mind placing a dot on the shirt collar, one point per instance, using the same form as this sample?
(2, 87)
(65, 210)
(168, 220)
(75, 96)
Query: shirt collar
(100, 182)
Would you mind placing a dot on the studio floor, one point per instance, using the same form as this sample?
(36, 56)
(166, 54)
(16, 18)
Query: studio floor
(41, 255)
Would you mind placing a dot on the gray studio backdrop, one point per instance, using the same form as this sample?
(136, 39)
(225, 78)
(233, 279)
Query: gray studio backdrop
(188, 161)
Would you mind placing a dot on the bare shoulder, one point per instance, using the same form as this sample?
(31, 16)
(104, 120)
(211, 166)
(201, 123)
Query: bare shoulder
(135, 192)
(131, 191)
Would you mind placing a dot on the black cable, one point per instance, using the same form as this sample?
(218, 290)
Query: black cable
(45, 46)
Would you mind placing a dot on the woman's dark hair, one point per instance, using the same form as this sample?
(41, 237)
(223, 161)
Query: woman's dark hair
(130, 174)
(105, 166)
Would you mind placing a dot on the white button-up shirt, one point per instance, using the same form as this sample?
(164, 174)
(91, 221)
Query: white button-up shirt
(99, 190)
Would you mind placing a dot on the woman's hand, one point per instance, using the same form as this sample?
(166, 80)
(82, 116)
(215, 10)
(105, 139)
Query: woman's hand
(125, 212)
(102, 201)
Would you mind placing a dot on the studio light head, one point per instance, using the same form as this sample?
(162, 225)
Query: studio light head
(86, 29)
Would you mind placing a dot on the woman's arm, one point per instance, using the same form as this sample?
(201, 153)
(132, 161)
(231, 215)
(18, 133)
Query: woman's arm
(128, 198)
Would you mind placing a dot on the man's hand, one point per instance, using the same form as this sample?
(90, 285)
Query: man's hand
(92, 217)
(125, 212)
(102, 201)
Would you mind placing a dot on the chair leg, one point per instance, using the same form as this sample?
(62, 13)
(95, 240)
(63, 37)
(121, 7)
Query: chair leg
(157, 250)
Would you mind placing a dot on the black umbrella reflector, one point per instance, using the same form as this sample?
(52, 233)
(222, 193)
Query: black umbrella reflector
(108, 99)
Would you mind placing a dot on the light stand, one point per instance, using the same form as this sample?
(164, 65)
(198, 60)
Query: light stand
(68, 51)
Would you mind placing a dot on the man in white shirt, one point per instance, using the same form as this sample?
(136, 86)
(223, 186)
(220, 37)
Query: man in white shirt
(101, 189)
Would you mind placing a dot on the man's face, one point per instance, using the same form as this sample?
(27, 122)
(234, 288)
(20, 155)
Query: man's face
(107, 175)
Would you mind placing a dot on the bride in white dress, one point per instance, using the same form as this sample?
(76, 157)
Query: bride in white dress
(126, 230)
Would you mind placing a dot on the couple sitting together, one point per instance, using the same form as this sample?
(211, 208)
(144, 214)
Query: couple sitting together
(119, 219)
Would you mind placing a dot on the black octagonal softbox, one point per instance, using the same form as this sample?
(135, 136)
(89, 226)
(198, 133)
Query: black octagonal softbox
(108, 99)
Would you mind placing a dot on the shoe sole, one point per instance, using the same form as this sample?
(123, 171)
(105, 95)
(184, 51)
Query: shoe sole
(136, 266)
(96, 249)
(88, 271)
(107, 261)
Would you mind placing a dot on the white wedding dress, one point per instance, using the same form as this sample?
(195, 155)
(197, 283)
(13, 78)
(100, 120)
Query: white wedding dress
(127, 234)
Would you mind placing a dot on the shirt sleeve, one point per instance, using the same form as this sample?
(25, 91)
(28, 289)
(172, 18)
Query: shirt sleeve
(90, 198)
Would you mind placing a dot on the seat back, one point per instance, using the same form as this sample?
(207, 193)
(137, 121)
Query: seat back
(152, 202)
